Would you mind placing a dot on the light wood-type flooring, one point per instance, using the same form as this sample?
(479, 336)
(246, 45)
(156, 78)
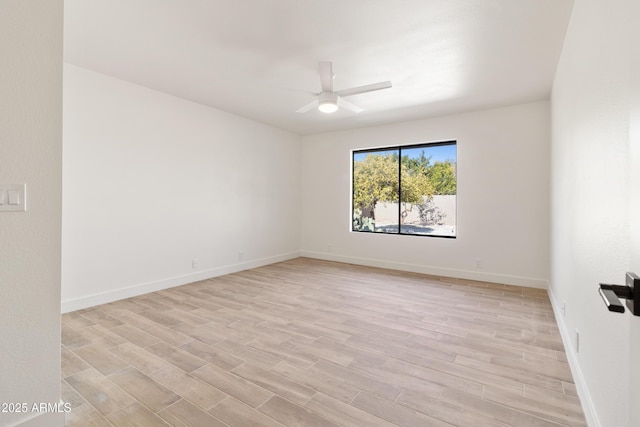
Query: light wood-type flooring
(316, 343)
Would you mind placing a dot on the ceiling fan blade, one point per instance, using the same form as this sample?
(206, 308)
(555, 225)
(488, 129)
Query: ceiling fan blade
(326, 76)
(307, 107)
(349, 106)
(364, 89)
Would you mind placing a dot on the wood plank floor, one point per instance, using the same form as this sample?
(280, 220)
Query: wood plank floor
(315, 343)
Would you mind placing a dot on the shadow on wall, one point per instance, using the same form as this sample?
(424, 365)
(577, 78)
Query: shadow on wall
(387, 213)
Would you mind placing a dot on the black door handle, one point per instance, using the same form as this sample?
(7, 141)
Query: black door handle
(611, 300)
(611, 293)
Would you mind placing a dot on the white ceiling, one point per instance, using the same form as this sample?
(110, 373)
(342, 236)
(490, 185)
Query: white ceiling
(259, 58)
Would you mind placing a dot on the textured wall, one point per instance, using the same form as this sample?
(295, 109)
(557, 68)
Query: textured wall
(31, 153)
(590, 193)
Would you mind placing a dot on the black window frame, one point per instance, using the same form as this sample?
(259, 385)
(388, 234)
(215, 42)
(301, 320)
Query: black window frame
(399, 149)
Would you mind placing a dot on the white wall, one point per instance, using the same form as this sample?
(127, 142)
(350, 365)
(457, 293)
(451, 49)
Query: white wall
(31, 153)
(503, 197)
(152, 182)
(590, 196)
(634, 208)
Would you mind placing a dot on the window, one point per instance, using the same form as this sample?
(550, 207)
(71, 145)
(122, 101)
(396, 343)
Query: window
(405, 190)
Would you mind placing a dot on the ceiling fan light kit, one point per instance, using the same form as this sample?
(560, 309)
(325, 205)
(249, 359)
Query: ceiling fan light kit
(329, 101)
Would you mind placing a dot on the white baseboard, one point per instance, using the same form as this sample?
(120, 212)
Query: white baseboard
(47, 419)
(581, 385)
(145, 288)
(428, 269)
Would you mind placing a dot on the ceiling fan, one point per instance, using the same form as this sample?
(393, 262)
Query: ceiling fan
(328, 101)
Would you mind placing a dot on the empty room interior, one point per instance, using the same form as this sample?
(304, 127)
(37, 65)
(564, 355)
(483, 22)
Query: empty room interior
(288, 213)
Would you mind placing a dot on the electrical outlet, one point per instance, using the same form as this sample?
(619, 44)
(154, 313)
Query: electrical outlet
(577, 341)
(479, 263)
(240, 256)
(564, 308)
(195, 263)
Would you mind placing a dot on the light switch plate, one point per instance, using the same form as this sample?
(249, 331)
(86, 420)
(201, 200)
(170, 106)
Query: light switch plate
(13, 197)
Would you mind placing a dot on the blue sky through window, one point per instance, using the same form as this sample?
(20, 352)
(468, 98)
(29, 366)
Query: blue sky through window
(438, 153)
